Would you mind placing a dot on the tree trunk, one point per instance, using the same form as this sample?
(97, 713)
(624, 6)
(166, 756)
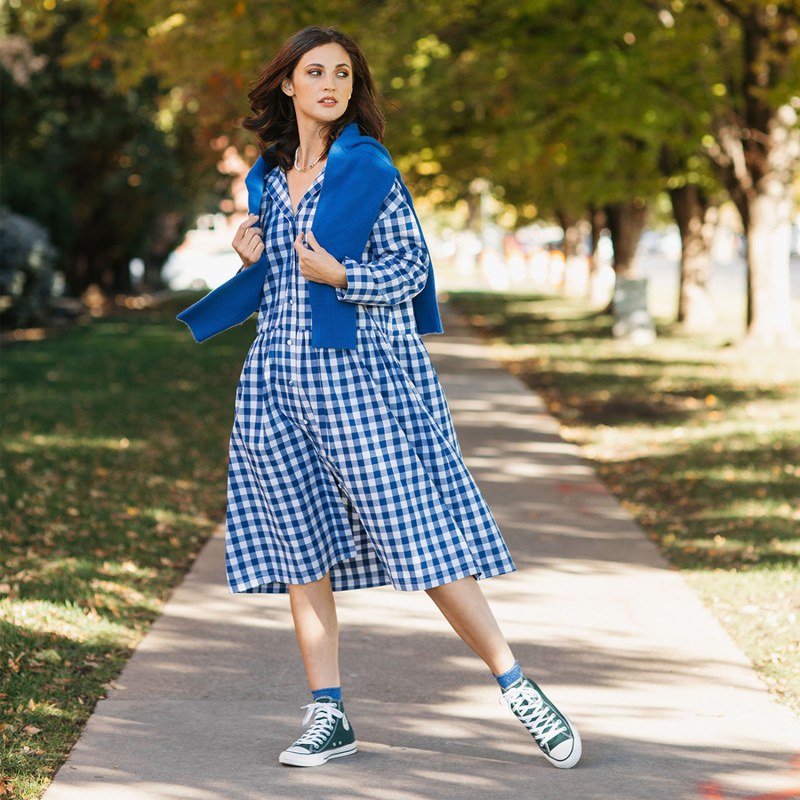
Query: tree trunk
(575, 263)
(742, 202)
(769, 236)
(763, 194)
(626, 221)
(118, 277)
(474, 212)
(696, 219)
(768, 254)
(168, 231)
(76, 271)
(572, 233)
(758, 153)
(597, 219)
(152, 279)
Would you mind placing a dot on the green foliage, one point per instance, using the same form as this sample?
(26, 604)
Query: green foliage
(92, 163)
(561, 105)
(114, 457)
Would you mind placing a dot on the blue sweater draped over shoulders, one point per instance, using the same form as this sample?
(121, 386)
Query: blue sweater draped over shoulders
(358, 176)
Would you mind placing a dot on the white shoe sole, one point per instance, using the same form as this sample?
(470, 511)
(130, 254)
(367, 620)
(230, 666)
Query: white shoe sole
(316, 759)
(574, 756)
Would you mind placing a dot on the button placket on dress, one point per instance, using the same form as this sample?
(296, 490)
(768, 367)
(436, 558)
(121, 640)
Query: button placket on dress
(293, 323)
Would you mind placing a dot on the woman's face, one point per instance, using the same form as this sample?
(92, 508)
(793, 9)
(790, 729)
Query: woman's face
(321, 84)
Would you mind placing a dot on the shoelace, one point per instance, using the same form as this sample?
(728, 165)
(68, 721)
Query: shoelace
(527, 705)
(325, 719)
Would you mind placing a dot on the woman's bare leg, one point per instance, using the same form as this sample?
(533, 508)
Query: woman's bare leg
(464, 606)
(317, 630)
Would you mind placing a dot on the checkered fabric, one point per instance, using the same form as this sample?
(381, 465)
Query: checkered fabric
(346, 460)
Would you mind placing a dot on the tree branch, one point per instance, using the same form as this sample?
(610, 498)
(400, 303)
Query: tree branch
(731, 7)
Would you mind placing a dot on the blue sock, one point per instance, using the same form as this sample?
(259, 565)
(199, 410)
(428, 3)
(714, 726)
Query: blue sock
(507, 678)
(334, 692)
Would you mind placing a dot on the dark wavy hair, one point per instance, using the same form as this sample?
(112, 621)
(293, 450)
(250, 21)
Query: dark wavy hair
(273, 118)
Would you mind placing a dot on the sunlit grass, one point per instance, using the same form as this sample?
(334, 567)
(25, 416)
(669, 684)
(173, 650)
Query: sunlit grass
(113, 474)
(27, 443)
(699, 440)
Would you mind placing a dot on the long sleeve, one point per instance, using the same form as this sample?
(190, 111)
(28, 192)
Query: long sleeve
(395, 265)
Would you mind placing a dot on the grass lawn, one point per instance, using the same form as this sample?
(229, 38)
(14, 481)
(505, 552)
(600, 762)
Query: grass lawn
(701, 442)
(113, 469)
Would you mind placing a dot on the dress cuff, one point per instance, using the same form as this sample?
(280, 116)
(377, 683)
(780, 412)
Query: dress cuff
(358, 281)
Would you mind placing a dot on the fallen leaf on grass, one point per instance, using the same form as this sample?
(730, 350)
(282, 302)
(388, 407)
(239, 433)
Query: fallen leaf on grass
(31, 730)
(49, 656)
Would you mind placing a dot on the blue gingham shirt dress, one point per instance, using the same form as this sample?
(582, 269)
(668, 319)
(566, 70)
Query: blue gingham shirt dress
(346, 461)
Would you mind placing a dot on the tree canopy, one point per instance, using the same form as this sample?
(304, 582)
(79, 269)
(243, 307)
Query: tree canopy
(562, 106)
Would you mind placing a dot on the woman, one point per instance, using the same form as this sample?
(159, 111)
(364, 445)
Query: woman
(345, 471)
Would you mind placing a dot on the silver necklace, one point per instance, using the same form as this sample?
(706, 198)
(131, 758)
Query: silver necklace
(310, 166)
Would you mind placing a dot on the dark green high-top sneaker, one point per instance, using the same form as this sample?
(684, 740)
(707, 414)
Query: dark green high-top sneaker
(557, 737)
(330, 736)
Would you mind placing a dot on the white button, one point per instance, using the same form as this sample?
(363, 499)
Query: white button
(290, 302)
(291, 383)
(288, 341)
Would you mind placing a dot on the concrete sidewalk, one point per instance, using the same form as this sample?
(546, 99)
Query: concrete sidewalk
(668, 707)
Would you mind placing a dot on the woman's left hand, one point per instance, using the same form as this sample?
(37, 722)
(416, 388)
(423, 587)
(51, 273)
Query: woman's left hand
(317, 264)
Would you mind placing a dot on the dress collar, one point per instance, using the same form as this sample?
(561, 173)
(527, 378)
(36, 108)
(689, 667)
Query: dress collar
(278, 189)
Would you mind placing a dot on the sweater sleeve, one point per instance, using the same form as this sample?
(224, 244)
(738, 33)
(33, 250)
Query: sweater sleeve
(394, 267)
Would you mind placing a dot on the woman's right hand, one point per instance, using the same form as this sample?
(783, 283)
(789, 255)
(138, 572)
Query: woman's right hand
(248, 242)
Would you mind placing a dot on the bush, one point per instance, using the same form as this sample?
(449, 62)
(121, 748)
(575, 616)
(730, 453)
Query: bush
(27, 271)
